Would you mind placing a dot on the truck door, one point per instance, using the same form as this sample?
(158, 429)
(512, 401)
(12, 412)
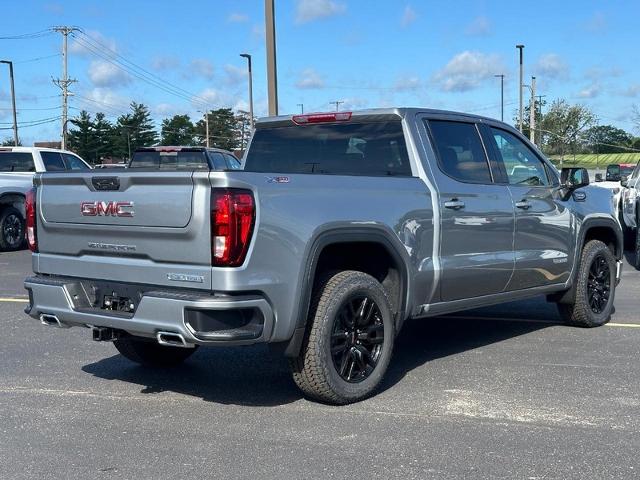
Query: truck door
(543, 223)
(477, 215)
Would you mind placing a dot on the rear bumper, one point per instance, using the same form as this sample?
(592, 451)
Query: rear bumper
(201, 318)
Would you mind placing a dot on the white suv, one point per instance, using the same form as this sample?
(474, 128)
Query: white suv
(17, 167)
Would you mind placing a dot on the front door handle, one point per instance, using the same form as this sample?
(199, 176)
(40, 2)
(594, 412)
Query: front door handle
(454, 204)
(523, 204)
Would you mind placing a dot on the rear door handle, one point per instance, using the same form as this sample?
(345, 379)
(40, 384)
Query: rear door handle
(523, 204)
(454, 204)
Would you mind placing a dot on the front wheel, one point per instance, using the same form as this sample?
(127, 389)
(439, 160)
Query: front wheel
(11, 229)
(151, 354)
(594, 289)
(348, 344)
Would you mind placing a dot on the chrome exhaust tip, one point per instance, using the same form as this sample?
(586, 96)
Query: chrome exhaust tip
(172, 339)
(52, 321)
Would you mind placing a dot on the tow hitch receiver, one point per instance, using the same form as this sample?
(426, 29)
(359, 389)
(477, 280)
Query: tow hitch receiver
(104, 334)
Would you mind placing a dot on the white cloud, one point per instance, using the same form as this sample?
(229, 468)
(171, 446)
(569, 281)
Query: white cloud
(591, 91)
(105, 74)
(165, 62)
(112, 101)
(309, 10)
(234, 75)
(467, 70)
(632, 90)
(96, 41)
(237, 18)
(309, 79)
(407, 83)
(165, 110)
(354, 103)
(201, 67)
(409, 16)
(479, 27)
(551, 65)
(211, 96)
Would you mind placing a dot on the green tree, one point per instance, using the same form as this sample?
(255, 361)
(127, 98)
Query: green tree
(243, 129)
(103, 132)
(222, 129)
(606, 139)
(8, 142)
(81, 139)
(563, 125)
(133, 130)
(177, 130)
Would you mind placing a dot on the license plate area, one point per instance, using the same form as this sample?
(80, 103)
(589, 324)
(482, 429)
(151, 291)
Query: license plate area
(116, 298)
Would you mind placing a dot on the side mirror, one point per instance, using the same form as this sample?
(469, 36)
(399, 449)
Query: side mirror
(573, 178)
(598, 177)
(624, 180)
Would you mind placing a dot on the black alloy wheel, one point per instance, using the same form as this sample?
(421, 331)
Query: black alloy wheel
(11, 229)
(599, 284)
(357, 339)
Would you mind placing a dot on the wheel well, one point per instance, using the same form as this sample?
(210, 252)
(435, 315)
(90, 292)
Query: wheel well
(605, 235)
(369, 257)
(15, 200)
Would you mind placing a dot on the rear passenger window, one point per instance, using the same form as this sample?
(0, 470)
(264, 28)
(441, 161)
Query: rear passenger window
(16, 162)
(74, 163)
(53, 161)
(460, 151)
(233, 162)
(218, 161)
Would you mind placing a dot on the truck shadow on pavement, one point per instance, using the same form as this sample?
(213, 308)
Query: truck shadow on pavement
(256, 376)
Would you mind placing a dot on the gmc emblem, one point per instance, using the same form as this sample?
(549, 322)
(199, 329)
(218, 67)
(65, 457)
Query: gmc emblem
(106, 209)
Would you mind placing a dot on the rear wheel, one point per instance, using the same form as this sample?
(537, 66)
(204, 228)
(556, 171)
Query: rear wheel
(348, 345)
(151, 354)
(595, 288)
(11, 229)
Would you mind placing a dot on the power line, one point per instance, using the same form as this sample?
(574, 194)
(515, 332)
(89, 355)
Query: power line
(39, 58)
(108, 54)
(24, 36)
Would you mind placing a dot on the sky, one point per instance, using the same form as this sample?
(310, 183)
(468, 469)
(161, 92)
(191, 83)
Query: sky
(183, 57)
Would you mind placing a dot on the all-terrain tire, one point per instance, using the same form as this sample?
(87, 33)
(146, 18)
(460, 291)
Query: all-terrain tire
(151, 354)
(580, 313)
(314, 370)
(11, 229)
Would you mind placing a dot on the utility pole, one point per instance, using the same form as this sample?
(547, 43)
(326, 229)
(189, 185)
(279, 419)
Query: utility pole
(248, 57)
(301, 105)
(272, 74)
(13, 102)
(337, 104)
(501, 96)
(532, 112)
(206, 127)
(65, 81)
(520, 48)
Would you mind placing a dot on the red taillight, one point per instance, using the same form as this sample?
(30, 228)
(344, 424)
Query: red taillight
(321, 118)
(30, 213)
(233, 214)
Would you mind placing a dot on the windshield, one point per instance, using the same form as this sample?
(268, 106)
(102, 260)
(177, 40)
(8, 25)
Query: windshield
(372, 149)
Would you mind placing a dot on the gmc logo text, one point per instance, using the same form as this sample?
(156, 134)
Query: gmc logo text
(107, 209)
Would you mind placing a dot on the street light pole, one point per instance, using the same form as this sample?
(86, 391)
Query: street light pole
(501, 96)
(206, 127)
(520, 48)
(272, 74)
(248, 57)
(13, 102)
(301, 105)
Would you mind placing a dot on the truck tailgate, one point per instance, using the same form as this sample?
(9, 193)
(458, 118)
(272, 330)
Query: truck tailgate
(127, 226)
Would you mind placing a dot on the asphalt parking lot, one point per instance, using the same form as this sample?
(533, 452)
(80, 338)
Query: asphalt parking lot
(504, 392)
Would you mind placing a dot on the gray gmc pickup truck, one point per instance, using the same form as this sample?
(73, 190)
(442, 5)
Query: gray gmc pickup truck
(340, 227)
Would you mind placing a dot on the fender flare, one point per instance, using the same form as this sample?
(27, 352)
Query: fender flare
(346, 234)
